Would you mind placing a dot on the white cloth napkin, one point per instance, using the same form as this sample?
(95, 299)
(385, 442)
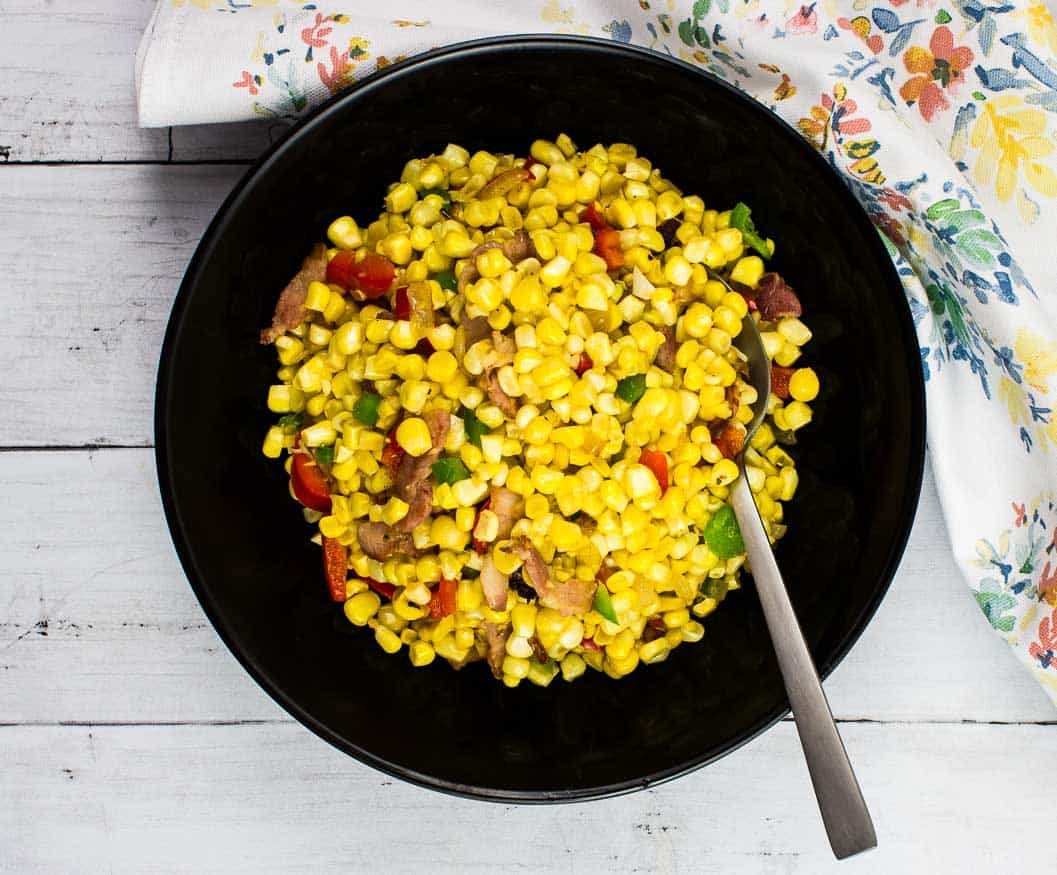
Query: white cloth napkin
(940, 114)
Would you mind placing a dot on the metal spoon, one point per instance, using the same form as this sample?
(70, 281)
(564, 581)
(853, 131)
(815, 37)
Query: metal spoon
(844, 811)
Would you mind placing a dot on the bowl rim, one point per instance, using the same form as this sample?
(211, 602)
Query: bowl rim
(192, 276)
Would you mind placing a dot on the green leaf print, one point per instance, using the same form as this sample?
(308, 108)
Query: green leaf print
(700, 9)
(994, 605)
(686, 32)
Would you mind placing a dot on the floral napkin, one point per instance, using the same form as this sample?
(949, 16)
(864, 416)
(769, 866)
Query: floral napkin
(941, 115)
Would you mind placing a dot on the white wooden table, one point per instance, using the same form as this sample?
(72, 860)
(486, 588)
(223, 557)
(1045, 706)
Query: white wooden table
(130, 739)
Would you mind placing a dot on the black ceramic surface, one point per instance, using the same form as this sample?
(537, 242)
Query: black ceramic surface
(245, 547)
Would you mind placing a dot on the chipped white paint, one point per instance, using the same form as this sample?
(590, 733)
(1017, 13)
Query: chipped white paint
(98, 626)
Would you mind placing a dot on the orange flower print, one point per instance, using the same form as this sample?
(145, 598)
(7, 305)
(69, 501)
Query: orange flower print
(804, 21)
(941, 66)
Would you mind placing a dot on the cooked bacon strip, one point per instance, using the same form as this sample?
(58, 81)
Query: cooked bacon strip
(381, 542)
(290, 310)
(413, 479)
(495, 639)
(494, 584)
(775, 299)
(570, 597)
(497, 396)
(508, 506)
(519, 247)
(665, 358)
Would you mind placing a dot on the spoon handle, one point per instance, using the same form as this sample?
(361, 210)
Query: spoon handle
(844, 811)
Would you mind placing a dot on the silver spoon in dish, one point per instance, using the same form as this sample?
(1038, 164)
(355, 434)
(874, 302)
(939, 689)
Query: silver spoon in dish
(840, 800)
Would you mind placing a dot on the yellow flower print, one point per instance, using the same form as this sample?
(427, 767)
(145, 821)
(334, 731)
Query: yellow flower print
(1041, 26)
(358, 47)
(1039, 356)
(1011, 138)
(553, 13)
(1013, 397)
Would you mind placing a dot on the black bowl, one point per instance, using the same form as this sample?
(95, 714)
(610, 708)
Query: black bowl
(245, 547)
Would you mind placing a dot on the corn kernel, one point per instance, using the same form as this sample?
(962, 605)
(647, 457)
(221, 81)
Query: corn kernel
(803, 385)
(413, 436)
(360, 608)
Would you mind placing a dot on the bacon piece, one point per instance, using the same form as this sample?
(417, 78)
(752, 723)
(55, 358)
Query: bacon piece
(497, 396)
(567, 598)
(381, 542)
(665, 358)
(780, 381)
(494, 584)
(519, 247)
(290, 309)
(730, 439)
(775, 299)
(495, 640)
(413, 481)
(508, 506)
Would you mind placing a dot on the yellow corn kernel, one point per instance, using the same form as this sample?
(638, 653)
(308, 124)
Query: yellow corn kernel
(421, 653)
(554, 272)
(441, 367)
(413, 436)
(726, 319)
(697, 320)
(797, 415)
(803, 386)
(795, 331)
(360, 608)
(387, 639)
(516, 666)
(394, 511)
(654, 651)
(345, 233)
(724, 472)
(692, 631)
(317, 296)
(273, 442)
(572, 666)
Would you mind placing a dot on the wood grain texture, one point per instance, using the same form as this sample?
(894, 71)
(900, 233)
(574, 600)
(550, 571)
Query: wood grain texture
(99, 624)
(273, 798)
(83, 335)
(68, 82)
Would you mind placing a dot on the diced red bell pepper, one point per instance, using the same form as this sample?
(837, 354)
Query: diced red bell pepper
(335, 567)
(590, 644)
(480, 546)
(310, 483)
(382, 587)
(592, 214)
(607, 245)
(401, 304)
(442, 602)
(424, 347)
(392, 453)
(657, 462)
(372, 275)
(584, 365)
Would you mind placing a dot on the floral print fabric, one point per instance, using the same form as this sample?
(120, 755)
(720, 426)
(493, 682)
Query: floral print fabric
(941, 116)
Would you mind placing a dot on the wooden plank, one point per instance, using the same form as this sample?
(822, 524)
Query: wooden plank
(272, 797)
(242, 141)
(68, 75)
(88, 284)
(98, 623)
